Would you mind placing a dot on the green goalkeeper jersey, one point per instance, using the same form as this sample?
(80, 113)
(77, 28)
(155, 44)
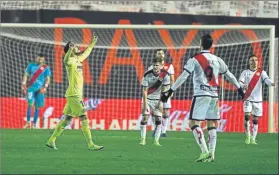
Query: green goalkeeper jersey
(74, 72)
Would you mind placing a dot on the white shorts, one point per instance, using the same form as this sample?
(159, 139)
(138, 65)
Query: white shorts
(256, 108)
(167, 105)
(204, 108)
(153, 108)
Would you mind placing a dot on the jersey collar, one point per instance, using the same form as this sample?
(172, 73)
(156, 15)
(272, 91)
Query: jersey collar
(204, 51)
(253, 70)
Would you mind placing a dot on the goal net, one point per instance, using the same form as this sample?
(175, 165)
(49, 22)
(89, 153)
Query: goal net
(114, 69)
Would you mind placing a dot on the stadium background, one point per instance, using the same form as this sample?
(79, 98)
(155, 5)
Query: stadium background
(107, 84)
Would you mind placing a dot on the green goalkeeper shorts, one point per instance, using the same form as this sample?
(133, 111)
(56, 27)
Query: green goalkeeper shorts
(74, 107)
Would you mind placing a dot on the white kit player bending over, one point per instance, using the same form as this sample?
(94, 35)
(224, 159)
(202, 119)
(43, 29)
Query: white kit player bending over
(252, 80)
(205, 68)
(153, 83)
(166, 106)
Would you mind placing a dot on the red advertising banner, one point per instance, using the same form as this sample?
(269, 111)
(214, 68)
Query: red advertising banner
(124, 114)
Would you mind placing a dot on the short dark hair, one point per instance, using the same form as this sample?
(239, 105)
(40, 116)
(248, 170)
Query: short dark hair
(157, 50)
(157, 59)
(252, 56)
(41, 55)
(206, 41)
(66, 47)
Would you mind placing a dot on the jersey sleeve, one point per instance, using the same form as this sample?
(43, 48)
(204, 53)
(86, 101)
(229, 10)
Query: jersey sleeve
(144, 82)
(264, 76)
(223, 67)
(150, 68)
(242, 77)
(28, 69)
(190, 65)
(171, 70)
(47, 72)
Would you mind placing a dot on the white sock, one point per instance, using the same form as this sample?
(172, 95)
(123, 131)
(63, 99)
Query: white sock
(212, 139)
(143, 131)
(198, 134)
(158, 130)
(255, 131)
(247, 127)
(165, 123)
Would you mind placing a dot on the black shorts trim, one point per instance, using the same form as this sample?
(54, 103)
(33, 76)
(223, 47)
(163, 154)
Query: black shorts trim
(196, 119)
(206, 96)
(255, 115)
(192, 108)
(152, 99)
(254, 101)
(212, 119)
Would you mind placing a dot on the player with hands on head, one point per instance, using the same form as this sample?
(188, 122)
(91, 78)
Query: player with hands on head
(205, 68)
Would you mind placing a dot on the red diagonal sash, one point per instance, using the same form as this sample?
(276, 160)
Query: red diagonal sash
(37, 74)
(158, 83)
(208, 70)
(253, 83)
(166, 66)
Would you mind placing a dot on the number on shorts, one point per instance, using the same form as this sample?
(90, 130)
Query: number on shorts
(30, 94)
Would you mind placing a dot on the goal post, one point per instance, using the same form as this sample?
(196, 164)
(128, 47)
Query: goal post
(147, 40)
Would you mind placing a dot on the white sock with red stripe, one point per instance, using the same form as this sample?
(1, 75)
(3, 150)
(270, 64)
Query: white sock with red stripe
(165, 122)
(143, 130)
(255, 129)
(198, 134)
(158, 130)
(212, 139)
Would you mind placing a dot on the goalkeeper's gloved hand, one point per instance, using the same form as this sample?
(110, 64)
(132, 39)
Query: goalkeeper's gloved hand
(166, 95)
(240, 92)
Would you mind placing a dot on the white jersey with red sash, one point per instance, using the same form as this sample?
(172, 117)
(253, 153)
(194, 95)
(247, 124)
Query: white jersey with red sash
(254, 80)
(206, 68)
(154, 83)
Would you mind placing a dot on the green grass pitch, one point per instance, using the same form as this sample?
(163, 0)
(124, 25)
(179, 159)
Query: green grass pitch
(24, 152)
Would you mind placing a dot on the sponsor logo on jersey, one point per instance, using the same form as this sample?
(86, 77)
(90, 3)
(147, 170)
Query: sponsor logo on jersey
(79, 68)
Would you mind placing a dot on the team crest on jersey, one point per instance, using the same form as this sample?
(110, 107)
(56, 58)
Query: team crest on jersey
(258, 73)
(165, 67)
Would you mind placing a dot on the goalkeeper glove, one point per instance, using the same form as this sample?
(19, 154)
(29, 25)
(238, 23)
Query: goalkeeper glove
(166, 95)
(240, 92)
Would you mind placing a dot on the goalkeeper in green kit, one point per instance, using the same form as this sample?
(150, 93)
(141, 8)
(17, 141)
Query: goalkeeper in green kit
(74, 95)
